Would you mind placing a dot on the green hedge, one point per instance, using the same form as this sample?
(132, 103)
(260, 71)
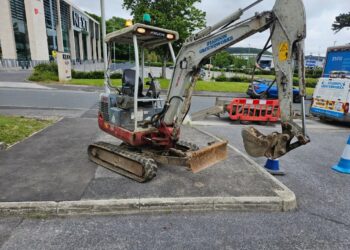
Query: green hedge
(309, 73)
(310, 82)
(49, 72)
(93, 75)
(45, 72)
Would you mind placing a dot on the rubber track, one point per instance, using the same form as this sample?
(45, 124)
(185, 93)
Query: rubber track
(189, 145)
(148, 164)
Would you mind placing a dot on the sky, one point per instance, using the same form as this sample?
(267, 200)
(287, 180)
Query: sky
(320, 16)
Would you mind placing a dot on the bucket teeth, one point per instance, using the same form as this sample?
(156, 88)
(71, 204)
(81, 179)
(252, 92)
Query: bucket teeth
(207, 156)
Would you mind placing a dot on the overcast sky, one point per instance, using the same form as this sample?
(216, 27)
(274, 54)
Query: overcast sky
(320, 16)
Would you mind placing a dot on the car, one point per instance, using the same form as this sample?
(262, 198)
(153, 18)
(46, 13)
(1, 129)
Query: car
(261, 86)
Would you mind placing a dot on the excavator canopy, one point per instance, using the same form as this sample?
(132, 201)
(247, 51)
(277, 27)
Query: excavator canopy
(148, 36)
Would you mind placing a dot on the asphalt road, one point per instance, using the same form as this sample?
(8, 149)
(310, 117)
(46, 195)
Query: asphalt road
(15, 76)
(322, 220)
(67, 99)
(59, 99)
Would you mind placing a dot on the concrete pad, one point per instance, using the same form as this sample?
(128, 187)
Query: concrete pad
(22, 85)
(50, 174)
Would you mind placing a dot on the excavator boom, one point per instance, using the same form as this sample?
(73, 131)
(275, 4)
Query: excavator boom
(287, 24)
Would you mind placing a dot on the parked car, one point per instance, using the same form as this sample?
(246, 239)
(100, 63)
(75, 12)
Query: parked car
(261, 86)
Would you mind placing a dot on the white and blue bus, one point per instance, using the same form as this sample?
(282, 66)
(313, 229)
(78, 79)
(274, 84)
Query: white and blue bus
(332, 93)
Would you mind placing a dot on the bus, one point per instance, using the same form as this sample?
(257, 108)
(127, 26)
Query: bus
(332, 93)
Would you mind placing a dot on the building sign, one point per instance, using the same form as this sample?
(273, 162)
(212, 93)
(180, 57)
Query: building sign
(64, 67)
(311, 63)
(80, 22)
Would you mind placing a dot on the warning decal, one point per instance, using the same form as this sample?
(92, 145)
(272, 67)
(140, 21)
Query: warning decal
(283, 51)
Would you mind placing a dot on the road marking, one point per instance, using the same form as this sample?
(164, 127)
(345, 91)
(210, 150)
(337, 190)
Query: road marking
(22, 85)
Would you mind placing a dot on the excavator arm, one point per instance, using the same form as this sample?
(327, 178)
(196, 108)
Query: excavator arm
(287, 24)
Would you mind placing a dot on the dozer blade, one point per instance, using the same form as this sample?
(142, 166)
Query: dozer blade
(208, 156)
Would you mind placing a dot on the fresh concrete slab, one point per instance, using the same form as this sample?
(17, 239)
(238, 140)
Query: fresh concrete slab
(50, 174)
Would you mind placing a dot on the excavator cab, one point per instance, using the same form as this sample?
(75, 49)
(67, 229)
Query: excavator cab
(127, 110)
(134, 115)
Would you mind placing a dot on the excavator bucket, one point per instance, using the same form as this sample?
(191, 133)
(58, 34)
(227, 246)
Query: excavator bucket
(272, 146)
(207, 156)
(255, 143)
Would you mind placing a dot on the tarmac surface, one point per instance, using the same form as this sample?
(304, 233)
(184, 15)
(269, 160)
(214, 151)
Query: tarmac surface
(53, 166)
(322, 220)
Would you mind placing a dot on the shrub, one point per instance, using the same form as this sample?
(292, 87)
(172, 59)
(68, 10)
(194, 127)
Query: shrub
(47, 67)
(239, 79)
(221, 78)
(45, 72)
(310, 82)
(93, 75)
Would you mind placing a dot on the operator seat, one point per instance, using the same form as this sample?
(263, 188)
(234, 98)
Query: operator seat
(128, 83)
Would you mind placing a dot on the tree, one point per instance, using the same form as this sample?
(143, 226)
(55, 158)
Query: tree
(239, 62)
(180, 15)
(341, 21)
(222, 59)
(120, 50)
(113, 24)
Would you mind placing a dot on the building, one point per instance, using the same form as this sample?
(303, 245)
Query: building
(314, 61)
(32, 30)
(266, 60)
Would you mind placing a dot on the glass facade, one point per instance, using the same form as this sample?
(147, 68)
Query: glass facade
(0, 51)
(50, 8)
(85, 46)
(77, 47)
(97, 37)
(65, 20)
(79, 24)
(19, 23)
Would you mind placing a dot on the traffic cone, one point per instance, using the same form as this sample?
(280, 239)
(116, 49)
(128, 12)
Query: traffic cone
(344, 163)
(273, 167)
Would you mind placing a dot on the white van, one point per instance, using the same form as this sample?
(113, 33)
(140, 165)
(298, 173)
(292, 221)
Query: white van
(332, 94)
(331, 99)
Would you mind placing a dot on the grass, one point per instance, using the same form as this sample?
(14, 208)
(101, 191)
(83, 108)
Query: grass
(94, 82)
(14, 129)
(234, 87)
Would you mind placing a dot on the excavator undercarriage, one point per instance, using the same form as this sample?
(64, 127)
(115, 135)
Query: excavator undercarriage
(141, 163)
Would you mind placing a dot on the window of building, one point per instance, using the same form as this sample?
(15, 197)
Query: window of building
(50, 8)
(19, 23)
(65, 20)
(77, 47)
(0, 51)
(85, 46)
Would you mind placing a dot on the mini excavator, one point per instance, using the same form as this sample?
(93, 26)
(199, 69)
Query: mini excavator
(149, 126)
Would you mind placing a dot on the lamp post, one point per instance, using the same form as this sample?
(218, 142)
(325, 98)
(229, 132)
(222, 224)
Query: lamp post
(104, 45)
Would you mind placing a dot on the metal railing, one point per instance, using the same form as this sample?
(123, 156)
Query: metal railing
(13, 64)
(17, 64)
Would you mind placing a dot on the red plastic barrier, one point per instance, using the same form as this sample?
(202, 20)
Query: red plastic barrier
(254, 110)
